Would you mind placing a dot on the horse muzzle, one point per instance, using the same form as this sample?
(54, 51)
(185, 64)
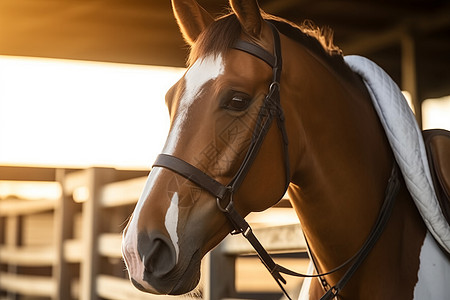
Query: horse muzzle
(152, 263)
(157, 253)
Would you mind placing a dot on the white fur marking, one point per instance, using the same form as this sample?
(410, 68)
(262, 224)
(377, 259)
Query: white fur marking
(306, 286)
(434, 272)
(129, 243)
(171, 222)
(202, 71)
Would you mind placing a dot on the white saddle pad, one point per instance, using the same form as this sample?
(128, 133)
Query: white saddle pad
(405, 138)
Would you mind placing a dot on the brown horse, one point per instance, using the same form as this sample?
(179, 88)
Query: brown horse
(339, 166)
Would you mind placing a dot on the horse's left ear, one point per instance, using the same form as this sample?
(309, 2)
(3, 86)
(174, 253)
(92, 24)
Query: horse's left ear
(249, 15)
(191, 18)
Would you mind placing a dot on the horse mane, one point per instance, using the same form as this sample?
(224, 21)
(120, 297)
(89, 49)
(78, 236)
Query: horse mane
(221, 35)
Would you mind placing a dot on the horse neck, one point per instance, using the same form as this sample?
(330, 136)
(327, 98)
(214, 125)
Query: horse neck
(340, 154)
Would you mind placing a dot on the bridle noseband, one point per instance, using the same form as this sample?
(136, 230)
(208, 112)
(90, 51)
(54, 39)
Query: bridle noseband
(270, 110)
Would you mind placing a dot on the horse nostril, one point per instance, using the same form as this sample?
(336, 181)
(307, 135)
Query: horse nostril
(157, 253)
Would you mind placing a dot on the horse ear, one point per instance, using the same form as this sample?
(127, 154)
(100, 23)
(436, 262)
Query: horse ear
(249, 15)
(191, 18)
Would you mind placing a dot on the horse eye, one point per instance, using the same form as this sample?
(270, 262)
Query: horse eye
(238, 102)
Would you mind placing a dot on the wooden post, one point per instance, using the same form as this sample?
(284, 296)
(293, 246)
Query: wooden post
(64, 222)
(409, 72)
(90, 259)
(90, 263)
(13, 238)
(219, 275)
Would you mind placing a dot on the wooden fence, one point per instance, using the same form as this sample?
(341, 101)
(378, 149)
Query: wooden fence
(60, 235)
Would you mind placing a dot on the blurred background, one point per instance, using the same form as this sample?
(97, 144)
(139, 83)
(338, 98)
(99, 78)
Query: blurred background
(82, 117)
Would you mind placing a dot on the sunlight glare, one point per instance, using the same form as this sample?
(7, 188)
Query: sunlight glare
(436, 113)
(74, 113)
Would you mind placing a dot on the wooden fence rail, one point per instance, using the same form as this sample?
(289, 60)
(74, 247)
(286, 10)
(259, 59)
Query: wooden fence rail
(60, 236)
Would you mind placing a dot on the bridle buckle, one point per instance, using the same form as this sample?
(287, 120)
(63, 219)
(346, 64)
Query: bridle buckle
(225, 209)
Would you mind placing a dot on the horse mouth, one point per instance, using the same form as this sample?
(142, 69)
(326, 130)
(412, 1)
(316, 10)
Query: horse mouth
(190, 278)
(180, 281)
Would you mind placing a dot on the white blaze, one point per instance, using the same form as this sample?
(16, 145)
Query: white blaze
(171, 222)
(306, 286)
(202, 71)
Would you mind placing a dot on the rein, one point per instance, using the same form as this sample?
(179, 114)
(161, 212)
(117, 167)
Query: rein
(270, 110)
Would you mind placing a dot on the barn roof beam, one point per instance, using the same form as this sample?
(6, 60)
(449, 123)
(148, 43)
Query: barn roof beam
(420, 25)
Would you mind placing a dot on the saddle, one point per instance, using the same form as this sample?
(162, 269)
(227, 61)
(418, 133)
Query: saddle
(437, 145)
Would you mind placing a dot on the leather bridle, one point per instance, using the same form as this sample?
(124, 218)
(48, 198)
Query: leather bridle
(271, 109)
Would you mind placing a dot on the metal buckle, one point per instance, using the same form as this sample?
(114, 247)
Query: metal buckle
(274, 85)
(226, 211)
(226, 208)
(273, 88)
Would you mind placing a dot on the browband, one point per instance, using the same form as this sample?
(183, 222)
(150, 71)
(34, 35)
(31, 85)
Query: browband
(255, 51)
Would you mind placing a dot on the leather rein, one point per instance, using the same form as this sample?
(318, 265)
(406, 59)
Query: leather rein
(270, 110)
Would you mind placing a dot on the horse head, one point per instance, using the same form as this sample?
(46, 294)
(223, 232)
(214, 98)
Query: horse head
(214, 109)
